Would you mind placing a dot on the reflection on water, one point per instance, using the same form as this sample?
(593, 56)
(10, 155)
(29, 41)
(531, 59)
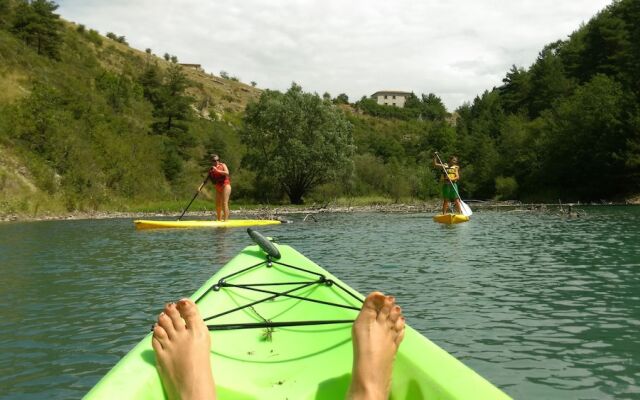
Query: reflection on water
(543, 307)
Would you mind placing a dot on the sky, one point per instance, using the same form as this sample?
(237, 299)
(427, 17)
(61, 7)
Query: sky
(456, 49)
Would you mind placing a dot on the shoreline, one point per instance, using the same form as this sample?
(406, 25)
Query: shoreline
(273, 212)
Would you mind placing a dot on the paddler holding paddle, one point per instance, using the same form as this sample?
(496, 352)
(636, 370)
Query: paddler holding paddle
(219, 175)
(449, 180)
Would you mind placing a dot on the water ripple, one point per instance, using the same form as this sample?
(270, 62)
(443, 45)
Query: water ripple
(541, 306)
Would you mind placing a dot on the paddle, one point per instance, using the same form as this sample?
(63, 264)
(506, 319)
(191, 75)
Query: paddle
(194, 196)
(466, 210)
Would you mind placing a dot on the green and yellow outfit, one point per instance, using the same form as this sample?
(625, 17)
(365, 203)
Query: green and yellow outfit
(450, 185)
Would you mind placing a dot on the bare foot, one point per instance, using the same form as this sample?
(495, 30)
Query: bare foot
(377, 333)
(181, 342)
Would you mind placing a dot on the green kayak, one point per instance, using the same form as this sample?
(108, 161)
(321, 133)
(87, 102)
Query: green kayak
(281, 329)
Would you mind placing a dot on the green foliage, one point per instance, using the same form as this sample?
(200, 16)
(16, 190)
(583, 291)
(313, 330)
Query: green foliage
(586, 140)
(506, 187)
(548, 80)
(567, 126)
(431, 107)
(118, 89)
(94, 37)
(6, 13)
(36, 23)
(516, 90)
(371, 107)
(341, 99)
(296, 140)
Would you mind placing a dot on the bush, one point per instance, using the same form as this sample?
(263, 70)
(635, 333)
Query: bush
(506, 188)
(94, 37)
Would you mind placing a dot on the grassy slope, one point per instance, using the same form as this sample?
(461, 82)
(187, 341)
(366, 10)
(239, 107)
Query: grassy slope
(20, 193)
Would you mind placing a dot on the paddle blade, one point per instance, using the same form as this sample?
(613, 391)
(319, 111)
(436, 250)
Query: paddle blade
(466, 210)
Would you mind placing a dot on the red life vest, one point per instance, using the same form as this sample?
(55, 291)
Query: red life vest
(217, 177)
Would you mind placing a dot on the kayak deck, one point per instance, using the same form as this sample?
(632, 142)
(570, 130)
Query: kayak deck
(450, 218)
(295, 362)
(232, 223)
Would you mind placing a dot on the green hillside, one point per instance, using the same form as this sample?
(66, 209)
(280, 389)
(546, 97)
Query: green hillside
(76, 125)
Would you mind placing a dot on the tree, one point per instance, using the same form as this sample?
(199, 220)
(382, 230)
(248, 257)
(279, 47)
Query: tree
(341, 99)
(433, 108)
(296, 140)
(253, 83)
(5, 13)
(548, 80)
(167, 56)
(171, 104)
(515, 91)
(38, 25)
(586, 141)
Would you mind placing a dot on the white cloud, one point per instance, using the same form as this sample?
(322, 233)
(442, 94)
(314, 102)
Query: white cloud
(455, 49)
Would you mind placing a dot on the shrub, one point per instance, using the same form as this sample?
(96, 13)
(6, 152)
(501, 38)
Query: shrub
(506, 187)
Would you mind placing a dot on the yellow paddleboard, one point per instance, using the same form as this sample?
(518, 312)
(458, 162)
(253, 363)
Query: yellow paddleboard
(451, 218)
(233, 223)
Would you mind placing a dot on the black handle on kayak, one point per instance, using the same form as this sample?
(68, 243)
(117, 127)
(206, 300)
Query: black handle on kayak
(264, 243)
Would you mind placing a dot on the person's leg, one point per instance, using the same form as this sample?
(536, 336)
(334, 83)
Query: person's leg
(182, 344)
(445, 206)
(219, 202)
(458, 206)
(377, 333)
(225, 201)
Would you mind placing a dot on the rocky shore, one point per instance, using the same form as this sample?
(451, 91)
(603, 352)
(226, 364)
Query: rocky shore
(280, 212)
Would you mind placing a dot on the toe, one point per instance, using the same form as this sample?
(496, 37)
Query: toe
(172, 311)
(160, 339)
(385, 311)
(164, 321)
(396, 312)
(372, 304)
(189, 312)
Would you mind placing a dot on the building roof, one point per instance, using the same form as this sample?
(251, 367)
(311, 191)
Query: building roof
(391, 93)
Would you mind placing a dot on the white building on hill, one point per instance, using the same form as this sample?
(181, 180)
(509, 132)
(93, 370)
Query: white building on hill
(391, 97)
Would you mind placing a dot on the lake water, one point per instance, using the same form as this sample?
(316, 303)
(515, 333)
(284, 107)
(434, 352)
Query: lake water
(544, 307)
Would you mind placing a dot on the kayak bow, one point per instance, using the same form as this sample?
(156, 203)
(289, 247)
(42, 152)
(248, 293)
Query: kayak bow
(281, 328)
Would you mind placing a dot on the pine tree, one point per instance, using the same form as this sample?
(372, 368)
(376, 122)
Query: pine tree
(36, 23)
